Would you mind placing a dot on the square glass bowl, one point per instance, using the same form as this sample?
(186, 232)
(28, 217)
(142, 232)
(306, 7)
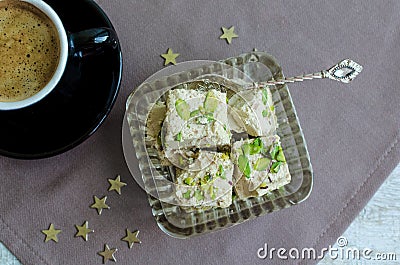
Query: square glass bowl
(156, 178)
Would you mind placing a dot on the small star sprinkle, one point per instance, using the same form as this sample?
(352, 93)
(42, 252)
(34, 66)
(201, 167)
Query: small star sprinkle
(100, 204)
(169, 57)
(83, 230)
(116, 184)
(131, 238)
(51, 234)
(108, 254)
(229, 34)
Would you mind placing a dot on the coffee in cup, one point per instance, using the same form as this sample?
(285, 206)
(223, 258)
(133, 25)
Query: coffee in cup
(34, 50)
(29, 50)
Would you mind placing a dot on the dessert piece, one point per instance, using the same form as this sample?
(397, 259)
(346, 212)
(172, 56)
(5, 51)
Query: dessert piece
(154, 124)
(206, 185)
(155, 120)
(260, 166)
(196, 118)
(253, 111)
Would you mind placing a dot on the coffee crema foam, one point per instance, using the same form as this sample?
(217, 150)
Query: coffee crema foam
(29, 50)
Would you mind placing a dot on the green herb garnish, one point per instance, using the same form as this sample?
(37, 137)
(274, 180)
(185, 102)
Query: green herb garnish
(265, 113)
(272, 108)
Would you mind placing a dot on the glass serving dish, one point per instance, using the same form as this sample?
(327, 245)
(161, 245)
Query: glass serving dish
(157, 178)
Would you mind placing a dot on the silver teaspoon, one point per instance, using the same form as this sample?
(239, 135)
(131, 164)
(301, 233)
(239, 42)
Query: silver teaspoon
(345, 72)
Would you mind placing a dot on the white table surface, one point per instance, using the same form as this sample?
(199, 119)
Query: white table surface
(377, 227)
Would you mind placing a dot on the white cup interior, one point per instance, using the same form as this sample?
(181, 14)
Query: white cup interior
(62, 36)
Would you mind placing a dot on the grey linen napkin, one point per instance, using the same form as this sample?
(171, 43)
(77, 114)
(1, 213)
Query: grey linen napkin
(352, 133)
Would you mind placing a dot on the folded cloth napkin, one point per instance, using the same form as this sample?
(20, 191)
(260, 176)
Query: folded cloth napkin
(352, 133)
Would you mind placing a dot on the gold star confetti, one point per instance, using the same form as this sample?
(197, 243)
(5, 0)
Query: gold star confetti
(116, 184)
(51, 233)
(131, 238)
(100, 204)
(170, 57)
(229, 34)
(108, 254)
(83, 230)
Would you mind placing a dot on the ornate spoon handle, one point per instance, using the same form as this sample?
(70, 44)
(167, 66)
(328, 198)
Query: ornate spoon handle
(345, 72)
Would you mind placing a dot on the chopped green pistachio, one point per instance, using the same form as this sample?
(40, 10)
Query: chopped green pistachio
(265, 113)
(272, 108)
(208, 177)
(188, 181)
(280, 156)
(179, 137)
(183, 109)
(198, 195)
(264, 185)
(225, 156)
(209, 116)
(234, 197)
(256, 146)
(211, 102)
(275, 167)
(264, 96)
(262, 164)
(194, 113)
(265, 151)
(246, 149)
(244, 165)
(213, 196)
(257, 142)
(186, 195)
(201, 109)
(221, 172)
(255, 149)
(202, 120)
(211, 192)
(275, 151)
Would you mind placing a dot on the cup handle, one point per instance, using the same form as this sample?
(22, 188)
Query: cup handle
(91, 42)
